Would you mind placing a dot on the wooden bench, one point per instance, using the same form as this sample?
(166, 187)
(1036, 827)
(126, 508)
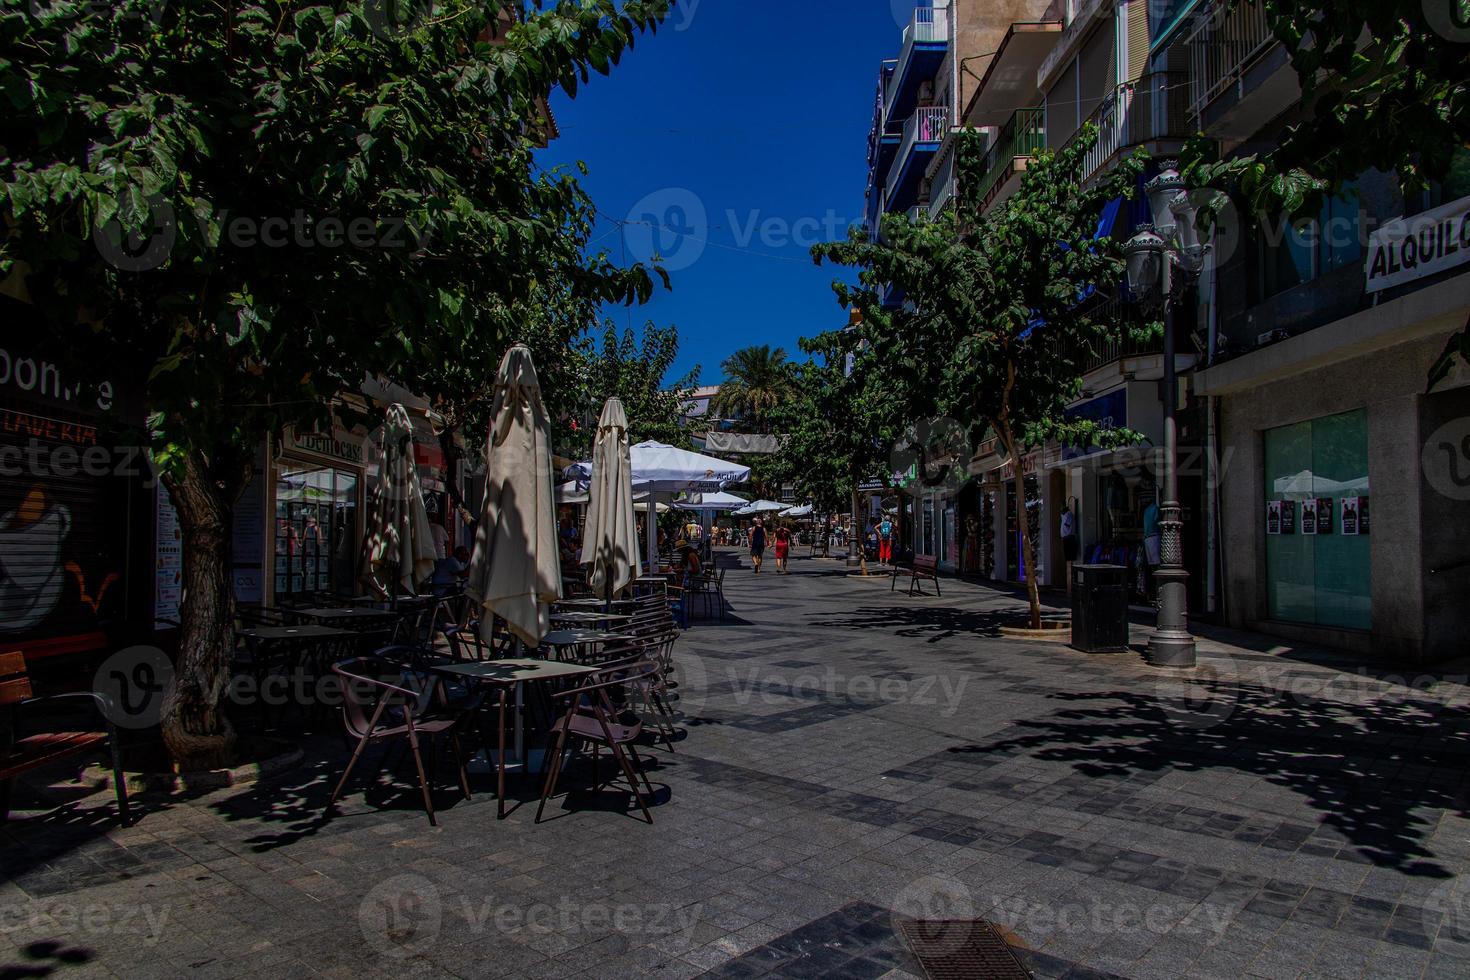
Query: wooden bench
(921, 568)
(24, 754)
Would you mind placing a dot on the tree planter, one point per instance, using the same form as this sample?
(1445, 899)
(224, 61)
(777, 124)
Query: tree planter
(147, 768)
(1058, 630)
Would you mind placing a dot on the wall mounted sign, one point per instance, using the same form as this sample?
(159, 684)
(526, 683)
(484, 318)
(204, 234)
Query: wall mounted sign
(1411, 248)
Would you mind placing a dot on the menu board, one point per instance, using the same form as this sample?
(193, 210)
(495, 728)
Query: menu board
(168, 562)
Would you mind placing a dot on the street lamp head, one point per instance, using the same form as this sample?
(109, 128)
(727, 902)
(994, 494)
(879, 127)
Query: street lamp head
(1163, 193)
(1145, 256)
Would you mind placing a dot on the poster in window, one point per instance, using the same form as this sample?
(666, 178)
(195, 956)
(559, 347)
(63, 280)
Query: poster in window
(1324, 515)
(1309, 516)
(1363, 515)
(1273, 517)
(1350, 516)
(168, 573)
(1288, 517)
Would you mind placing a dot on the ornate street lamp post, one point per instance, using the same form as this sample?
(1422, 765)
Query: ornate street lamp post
(1163, 261)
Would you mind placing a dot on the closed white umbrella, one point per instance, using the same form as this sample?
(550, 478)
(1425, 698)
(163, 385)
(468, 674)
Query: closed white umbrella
(398, 552)
(515, 572)
(610, 539)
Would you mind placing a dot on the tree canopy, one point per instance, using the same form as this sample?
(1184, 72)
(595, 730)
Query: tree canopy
(249, 207)
(757, 380)
(1002, 307)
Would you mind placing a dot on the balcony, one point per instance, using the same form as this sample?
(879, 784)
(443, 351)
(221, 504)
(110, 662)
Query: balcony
(1015, 146)
(942, 179)
(1151, 112)
(925, 43)
(1240, 76)
(922, 134)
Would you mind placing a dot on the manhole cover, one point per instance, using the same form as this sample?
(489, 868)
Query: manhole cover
(961, 949)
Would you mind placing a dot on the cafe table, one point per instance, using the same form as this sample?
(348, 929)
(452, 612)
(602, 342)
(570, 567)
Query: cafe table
(315, 647)
(577, 617)
(564, 640)
(512, 673)
(345, 617)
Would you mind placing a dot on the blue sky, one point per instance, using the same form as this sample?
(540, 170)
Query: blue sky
(756, 112)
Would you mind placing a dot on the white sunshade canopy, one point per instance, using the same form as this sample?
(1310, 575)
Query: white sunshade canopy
(759, 507)
(660, 468)
(805, 510)
(712, 502)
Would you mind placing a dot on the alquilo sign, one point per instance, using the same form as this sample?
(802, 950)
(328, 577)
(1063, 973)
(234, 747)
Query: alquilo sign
(1406, 249)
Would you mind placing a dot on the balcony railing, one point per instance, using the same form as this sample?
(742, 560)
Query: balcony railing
(928, 124)
(1152, 108)
(928, 25)
(1118, 344)
(1021, 138)
(1223, 47)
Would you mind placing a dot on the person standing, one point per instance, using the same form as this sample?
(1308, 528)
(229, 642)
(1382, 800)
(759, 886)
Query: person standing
(757, 544)
(783, 549)
(885, 540)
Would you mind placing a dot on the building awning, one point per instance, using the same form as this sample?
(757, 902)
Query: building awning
(742, 442)
(1172, 16)
(1010, 78)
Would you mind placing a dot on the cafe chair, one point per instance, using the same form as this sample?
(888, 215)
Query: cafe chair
(591, 719)
(377, 710)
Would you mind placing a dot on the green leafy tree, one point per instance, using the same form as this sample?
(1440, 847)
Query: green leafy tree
(251, 206)
(996, 328)
(1385, 86)
(840, 426)
(757, 380)
(635, 368)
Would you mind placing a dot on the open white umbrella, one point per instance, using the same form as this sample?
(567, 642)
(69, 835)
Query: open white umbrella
(805, 510)
(515, 572)
(398, 552)
(712, 502)
(610, 539)
(663, 469)
(759, 507)
(571, 493)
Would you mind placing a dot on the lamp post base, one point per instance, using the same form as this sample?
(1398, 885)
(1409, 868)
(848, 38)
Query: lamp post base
(1170, 644)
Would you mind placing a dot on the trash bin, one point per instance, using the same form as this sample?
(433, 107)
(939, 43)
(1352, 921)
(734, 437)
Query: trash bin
(1099, 608)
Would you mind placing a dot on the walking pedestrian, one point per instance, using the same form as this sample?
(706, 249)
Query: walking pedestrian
(783, 549)
(885, 541)
(757, 544)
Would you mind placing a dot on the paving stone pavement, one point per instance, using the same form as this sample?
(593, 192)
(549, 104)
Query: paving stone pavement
(850, 755)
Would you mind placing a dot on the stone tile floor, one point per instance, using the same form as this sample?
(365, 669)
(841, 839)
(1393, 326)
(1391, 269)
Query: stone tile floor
(851, 755)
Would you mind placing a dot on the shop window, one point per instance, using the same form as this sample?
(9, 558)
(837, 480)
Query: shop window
(316, 531)
(1318, 571)
(928, 548)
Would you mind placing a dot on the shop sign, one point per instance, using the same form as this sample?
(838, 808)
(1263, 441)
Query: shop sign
(338, 446)
(1406, 249)
(1109, 411)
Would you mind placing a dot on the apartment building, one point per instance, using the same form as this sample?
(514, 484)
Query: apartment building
(1031, 75)
(1319, 338)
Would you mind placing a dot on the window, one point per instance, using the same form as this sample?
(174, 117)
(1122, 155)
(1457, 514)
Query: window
(316, 531)
(1292, 254)
(1321, 578)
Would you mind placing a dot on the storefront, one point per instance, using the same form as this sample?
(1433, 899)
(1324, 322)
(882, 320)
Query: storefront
(316, 489)
(76, 512)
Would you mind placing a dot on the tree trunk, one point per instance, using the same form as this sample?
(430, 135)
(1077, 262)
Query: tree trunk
(195, 729)
(1023, 520)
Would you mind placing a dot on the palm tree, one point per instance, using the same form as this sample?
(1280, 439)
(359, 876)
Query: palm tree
(757, 379)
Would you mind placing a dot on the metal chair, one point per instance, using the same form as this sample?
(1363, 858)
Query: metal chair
(374, 710)
(591, 719)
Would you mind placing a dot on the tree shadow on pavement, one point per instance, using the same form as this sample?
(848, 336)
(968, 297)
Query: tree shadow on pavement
(933, 623)
(1380, 772)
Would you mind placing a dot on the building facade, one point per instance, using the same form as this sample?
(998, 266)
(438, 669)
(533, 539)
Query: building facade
(1341, 485)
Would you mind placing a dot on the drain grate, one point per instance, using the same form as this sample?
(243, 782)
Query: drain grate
(961, 949)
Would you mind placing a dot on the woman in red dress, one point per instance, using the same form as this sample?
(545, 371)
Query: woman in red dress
(783, 549)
